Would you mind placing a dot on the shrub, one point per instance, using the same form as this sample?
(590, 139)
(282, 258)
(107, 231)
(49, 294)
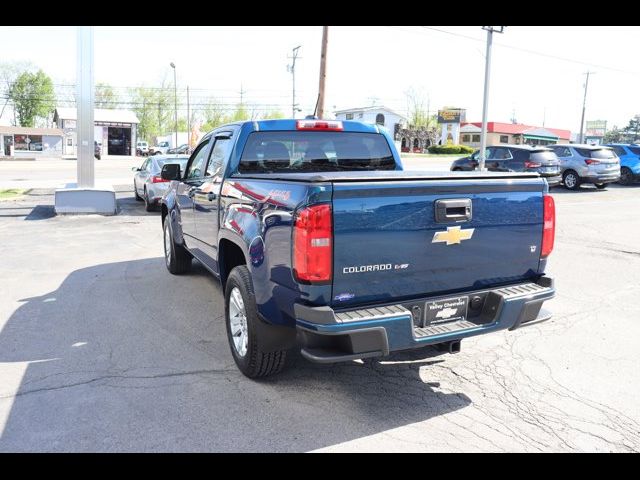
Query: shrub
(450, 149)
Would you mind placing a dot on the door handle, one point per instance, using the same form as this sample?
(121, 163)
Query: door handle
(453, 210)
(211, 196)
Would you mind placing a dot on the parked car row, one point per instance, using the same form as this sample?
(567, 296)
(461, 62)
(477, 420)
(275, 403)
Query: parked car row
(569, 164)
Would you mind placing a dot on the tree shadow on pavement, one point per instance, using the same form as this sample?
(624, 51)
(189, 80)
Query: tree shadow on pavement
(125, 357)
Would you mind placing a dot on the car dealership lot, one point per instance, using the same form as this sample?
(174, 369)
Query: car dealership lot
(101, 349)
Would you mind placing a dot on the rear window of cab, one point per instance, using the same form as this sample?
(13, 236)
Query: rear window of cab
(313, 151)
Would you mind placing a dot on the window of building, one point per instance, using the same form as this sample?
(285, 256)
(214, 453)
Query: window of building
(69, 142)
(380, 119)
(504, 138)
(349, 116)
(31, 143)
(466, 138)
(360, 115)
(476, 138)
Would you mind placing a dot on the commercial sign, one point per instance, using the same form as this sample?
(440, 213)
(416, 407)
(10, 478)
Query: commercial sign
(596, 128)
(452, 115)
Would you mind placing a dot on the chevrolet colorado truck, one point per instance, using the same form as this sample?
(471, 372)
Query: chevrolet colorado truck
(322, 241)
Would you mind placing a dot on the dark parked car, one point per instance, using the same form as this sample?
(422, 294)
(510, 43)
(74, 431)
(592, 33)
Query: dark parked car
(96, 150)
(515, 158)
(181, 150)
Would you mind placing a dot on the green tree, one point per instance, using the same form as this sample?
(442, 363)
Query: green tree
(615, 135)
(154, 108)
(33, 97)
(273, 114)
(213, 115)
(632, 130)
(106, 97)
(240, 113)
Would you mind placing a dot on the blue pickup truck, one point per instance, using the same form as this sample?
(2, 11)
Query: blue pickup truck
(323, 242)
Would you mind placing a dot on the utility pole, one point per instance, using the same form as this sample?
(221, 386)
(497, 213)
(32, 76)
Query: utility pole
(175, 92)
(188, 123)
(584, 105)
(242, 92)
(323, 71)
(485, 103)
(292, 68)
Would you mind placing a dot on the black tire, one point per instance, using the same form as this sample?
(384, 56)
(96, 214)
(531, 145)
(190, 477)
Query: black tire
(574, 180)
(135, 192)
(148, 206)
(626, 176)
(456, 169)
(157, 153)
(256, 362)
(601, 186)
(178, 259)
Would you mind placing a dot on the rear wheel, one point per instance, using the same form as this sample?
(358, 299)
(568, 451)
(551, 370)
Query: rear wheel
(626, 176)
(135, 192)
(601, 186)
(241, 318)
(177, 258)
(571, 180)
(148, 206)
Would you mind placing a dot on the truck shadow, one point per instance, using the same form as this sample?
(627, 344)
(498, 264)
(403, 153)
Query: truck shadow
(125, 357)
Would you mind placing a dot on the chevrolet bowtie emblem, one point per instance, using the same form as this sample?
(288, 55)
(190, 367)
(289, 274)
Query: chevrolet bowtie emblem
(453, 235)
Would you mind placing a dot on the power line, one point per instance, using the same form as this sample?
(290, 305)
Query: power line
(533, 52)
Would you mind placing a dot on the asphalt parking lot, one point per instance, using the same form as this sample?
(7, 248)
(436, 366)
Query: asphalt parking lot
(102, 350)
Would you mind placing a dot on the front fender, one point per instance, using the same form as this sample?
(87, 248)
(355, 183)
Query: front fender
(173, 212)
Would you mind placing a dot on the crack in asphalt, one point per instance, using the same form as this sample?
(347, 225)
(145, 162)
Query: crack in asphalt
(120, 377)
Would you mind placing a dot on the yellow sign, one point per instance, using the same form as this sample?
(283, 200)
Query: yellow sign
(453, 235)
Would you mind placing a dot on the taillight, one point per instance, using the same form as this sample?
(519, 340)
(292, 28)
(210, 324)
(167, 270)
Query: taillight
(591, 161)
(312, 248)
(325, 125)
(532, 165)
(157, 179)
(549, 225)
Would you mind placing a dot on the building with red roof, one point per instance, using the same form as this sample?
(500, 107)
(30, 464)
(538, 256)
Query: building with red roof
(512, 133)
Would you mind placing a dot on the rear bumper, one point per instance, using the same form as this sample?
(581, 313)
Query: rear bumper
(601, 178)
(554, 181)
(328, 336)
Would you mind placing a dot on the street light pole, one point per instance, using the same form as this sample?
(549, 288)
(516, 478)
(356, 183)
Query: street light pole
(584, 106)
(485, 102)
(292, 69)
(175, 91)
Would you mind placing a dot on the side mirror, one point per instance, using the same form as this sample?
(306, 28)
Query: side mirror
(170, 171)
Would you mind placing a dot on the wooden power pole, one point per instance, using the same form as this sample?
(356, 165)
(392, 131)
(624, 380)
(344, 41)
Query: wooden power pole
(323, 71)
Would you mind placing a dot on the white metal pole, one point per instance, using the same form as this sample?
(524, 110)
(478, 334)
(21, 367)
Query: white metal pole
(84, 99)
(485, 102)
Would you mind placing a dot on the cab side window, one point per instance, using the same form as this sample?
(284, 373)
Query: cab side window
(195, 169)
(219, 153)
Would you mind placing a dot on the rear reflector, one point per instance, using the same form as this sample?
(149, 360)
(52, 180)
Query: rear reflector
(549, 226)
(312, 249)
(158, 179)
(325, 125)
(591, 161)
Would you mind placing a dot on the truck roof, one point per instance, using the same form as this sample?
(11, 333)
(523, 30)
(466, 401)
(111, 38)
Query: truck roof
(290, 124)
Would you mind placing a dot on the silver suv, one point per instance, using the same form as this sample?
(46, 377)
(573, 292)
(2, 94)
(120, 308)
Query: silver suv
(581, 163)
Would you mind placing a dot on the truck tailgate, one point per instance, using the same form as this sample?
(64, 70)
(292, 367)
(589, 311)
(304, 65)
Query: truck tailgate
(387, 245)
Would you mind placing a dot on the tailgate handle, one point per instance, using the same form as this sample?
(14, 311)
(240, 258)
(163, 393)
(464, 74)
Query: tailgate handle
(453, 210)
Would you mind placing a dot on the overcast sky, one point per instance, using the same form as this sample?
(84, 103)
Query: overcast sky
(536, 71)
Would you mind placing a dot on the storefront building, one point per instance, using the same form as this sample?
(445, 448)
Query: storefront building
(30, 142)
(499, 133)
(114, 130)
